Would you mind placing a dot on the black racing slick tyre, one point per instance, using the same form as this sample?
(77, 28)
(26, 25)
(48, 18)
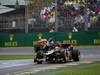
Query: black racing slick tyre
(75, 55)
(39, 57)
(39, 62)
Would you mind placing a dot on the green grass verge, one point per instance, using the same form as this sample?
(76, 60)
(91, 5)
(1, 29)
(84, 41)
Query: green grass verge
(14, 57)
(89, 70)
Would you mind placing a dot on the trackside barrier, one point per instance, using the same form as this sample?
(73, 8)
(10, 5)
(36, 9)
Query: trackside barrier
(28, 40)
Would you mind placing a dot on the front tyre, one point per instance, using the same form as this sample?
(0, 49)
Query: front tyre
(39, 57)
(39, 62)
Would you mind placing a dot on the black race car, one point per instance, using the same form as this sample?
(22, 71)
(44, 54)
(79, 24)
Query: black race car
(58, 53)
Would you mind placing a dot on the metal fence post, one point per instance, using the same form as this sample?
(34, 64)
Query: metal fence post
(56, 16)
(26, 16)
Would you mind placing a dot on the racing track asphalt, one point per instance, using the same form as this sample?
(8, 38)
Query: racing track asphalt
(14, 50)
(7, 66)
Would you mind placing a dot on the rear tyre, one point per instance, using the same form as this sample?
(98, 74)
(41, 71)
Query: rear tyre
(75, 55)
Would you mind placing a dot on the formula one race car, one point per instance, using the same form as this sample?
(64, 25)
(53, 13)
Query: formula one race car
(57, 53)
